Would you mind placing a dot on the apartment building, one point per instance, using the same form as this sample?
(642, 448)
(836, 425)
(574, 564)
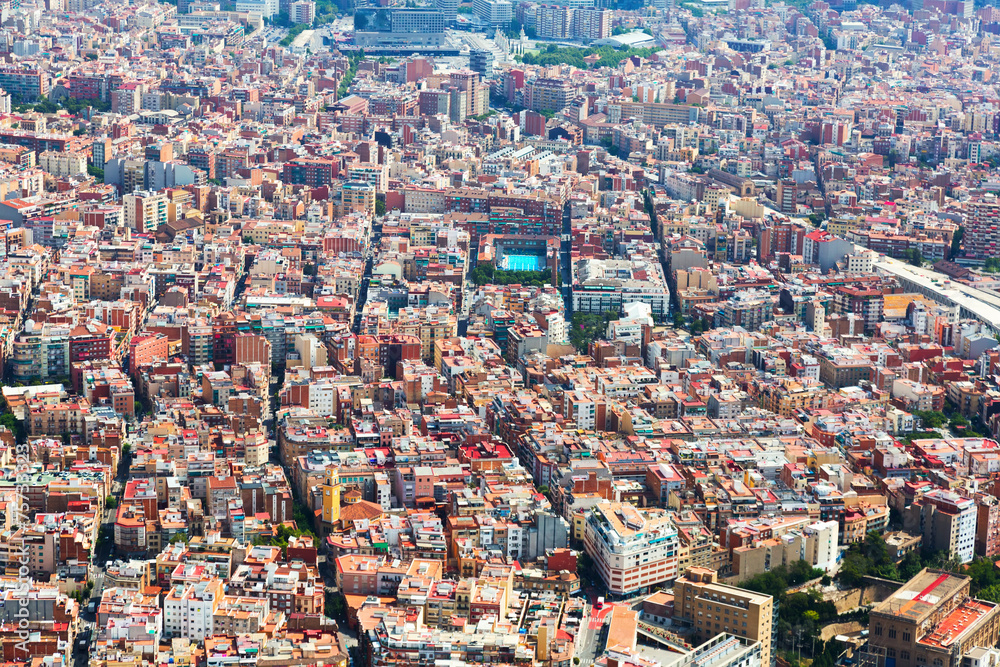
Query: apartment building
(145, 211)
(239, 615)
(189, 609)
(987, 525)
(982, 226)
(358, 197)
(548, 94)
(816, 544)
(24, 85)
(63, 164)
(632, 549)
(947, 522)
(303, 11)
(710, 608)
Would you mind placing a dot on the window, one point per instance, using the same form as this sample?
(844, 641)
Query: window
(878, 630)
(906, 635)
(892, 633)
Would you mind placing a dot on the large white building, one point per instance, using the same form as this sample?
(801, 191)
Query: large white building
(494, 12)
(188, 609)
(267, 8)
(448, 8)
(303, 11)
(600, 285)
(629, 326)
(632, 549)
(821, 544)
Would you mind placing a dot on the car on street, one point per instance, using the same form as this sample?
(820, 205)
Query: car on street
(83, 640)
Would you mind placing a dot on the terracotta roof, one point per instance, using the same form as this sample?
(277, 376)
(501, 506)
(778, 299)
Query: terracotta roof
(362, 509)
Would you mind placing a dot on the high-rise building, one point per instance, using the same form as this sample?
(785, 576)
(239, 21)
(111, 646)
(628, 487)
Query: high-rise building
(554, 22)
(474, 95)
(434, 102)
(481, 61)
(448, 8)
(947, 522)
(303, 11)
(930, 620)
(494, 12)
(987, 525)
(145, 211)
(710, 608)
(787, 196)
(982, 228)
(548, 95)
(591, 24)
(359, 196)
(189, 609)
(267, 8)
(632, 548)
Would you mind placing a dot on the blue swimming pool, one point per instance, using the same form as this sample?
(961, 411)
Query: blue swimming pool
(522, 263)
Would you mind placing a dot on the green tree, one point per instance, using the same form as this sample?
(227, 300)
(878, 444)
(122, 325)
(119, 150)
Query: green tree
(335, 606)
(931, 418)
(574, 56)
(910, 566)
(293, 32)
(588, 327)
(956, 241)
(15, 425)
(379, 207)
(867, 558)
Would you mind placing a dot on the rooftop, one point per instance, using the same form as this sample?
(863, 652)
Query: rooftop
(919, 597)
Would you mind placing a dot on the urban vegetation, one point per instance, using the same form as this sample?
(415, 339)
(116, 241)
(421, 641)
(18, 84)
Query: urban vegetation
(587, 327)
(488, 274)
(609, 56)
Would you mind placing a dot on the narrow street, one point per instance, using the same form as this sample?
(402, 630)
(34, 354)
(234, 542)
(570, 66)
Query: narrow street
(369, 258)
(100, 555)
(565, 272)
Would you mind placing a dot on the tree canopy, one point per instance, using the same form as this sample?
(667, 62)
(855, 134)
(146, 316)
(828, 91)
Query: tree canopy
(571, 55)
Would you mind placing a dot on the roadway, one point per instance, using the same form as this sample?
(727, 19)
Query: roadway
(100, 555)
(565, 250)
(369, 258)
